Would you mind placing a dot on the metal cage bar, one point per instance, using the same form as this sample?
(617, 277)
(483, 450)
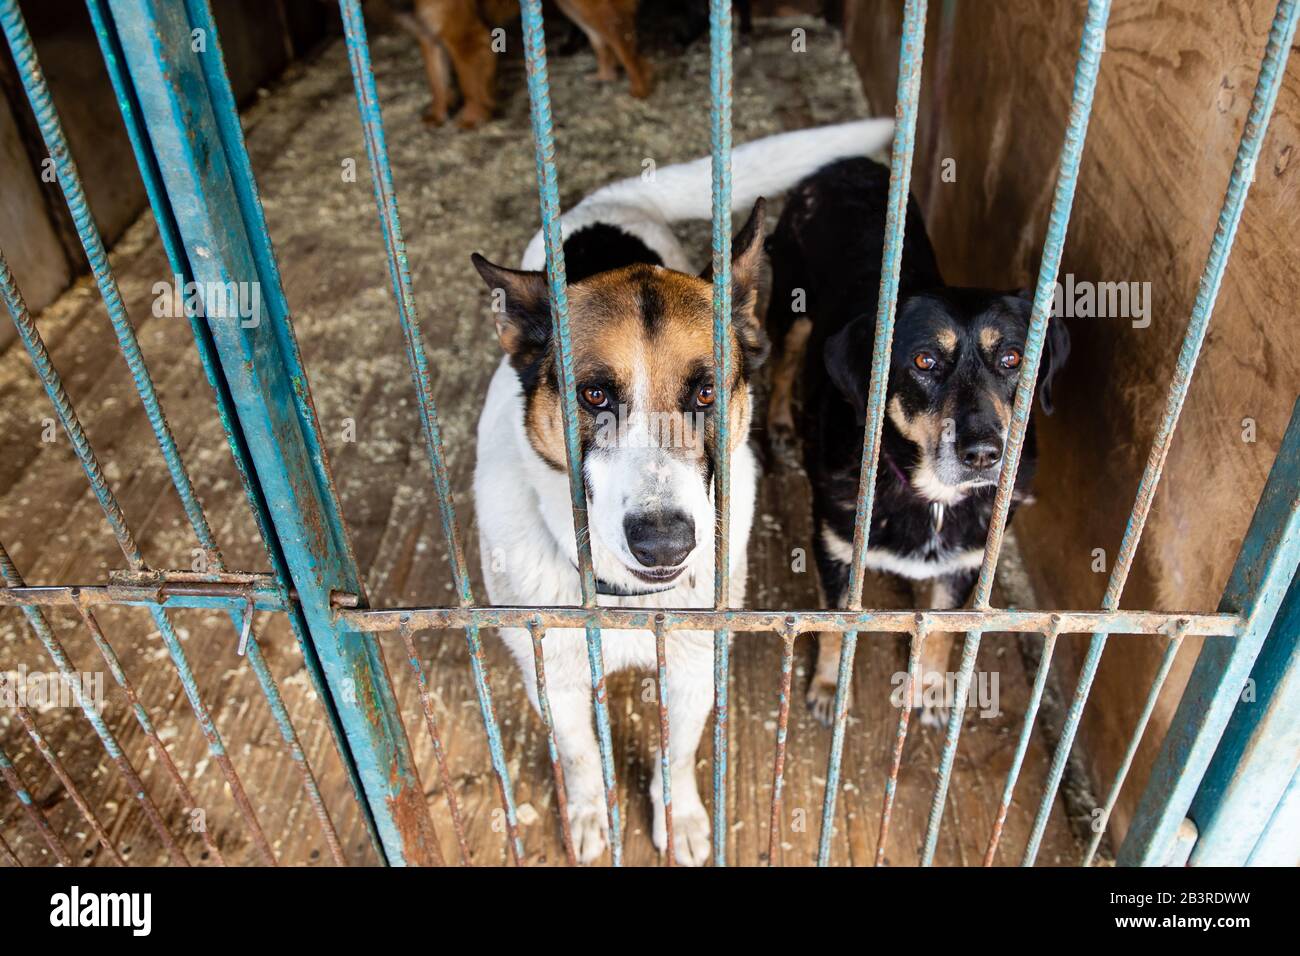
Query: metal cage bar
(160, 751)
(33, 812)
(1258, 755)
(70, 182)
(537, 633)
(7, 853)
(83, 806)
(1265, 568)
(194, 131)
(720, 161)
(262, 395)
(548, 192)
(381, 173)
(911, 52)
(11, 577)
(1026, 731)
(129, 106)
(1281, 36)
(1135, 739)
(67, 416)
(1091, 46)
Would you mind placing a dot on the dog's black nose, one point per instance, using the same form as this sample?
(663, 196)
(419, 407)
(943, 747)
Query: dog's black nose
(981, 453)
(660, 539)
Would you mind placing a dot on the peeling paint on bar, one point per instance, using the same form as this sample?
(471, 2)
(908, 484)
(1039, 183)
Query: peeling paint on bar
(805, 622)
(33, 812)
(911, 51)
(67, 415)
(537, 632)
(164, 218)
(1091, 45)
(720, 161)
(1269, 82)
(665, 738)
(435, 739)
(548, 193)
(195, 134)
(381, 174)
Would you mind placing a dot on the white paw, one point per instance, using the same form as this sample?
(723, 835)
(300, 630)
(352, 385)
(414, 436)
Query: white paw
(690, 833)
(589, 824)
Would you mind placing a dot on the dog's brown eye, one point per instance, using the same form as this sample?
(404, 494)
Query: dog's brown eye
(595, 397)
(1010, 358)
(924, 361)
(704, 396)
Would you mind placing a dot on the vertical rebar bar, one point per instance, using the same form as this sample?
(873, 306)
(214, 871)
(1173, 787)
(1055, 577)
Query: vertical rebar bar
(911, 52)
(548, 191)
(1091, 45)
(537, 632)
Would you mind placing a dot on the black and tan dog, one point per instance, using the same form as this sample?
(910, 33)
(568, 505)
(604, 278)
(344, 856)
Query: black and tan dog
(956, 359)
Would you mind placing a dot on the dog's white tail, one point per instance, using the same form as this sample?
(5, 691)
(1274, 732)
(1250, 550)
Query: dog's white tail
(762, 168)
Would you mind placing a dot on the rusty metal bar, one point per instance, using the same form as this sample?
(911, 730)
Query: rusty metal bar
(720, 160)
(200, 594)
(900, 736)
(205, 174)
(67, 415)
(665, 739)
(1091, 45)
(34, 813)
(548, 191)
(10, 577)
(1133, 623)
(537, 632)
(1268, 84)
(70, 785)
(146, 723)
(911, 52)
(168, 231)
(7, 854)
(70, 182)
(782, 726)
(1026, 730)
(381, 174)
(431, 724)
(1148, 708)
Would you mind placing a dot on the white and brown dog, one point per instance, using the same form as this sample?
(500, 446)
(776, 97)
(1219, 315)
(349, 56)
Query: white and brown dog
(642, 337)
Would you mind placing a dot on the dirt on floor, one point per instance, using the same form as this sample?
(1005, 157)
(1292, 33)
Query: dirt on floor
(460, 193)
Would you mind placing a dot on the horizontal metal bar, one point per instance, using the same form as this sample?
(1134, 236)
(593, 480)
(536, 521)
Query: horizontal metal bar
(802, 622)
(198, 594)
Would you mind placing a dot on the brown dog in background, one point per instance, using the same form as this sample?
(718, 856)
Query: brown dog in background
(460, 31)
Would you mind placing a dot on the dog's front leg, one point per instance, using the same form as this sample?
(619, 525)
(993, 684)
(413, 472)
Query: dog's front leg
(690, 698)
(930, 691)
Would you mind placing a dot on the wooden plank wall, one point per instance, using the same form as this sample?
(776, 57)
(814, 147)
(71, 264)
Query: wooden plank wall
(259, 39)
(1175, 87)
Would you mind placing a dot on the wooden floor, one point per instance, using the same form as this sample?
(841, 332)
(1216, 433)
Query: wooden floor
(460, 193)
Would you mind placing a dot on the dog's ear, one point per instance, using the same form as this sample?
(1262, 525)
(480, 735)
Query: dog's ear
(1056, 349)
(847, 355)
(521, 309)
(746, 272)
